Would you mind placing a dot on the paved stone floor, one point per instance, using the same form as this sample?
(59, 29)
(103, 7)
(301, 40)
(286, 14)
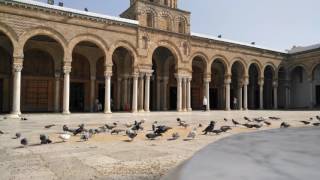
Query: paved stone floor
(112, 157)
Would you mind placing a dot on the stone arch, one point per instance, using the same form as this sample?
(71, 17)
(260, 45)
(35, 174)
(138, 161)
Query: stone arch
(239, 60)
(223, 60)
(98, 41)
(314, 68)
(273, 67)
(303, 66)
(127, 45)
(172, 47)
(257, 64)
(166, 14)
(202, 56)
(11, 34)
(45, 31)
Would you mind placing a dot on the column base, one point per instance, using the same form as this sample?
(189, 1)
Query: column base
(189, 109)
(228, 109)
(134, 111)
(141, 110)
(14, 116)
(66, 113)
(107, 112)
(179, 110)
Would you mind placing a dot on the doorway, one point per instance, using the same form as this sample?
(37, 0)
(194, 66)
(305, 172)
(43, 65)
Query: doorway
(318, 95)
(77, 97)
(214, 98)
(1, 96)
(101, 94)
(173, 98)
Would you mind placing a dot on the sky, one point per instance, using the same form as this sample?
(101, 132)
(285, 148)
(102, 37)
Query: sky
(278, 24)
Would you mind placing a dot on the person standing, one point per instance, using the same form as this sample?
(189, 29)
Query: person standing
(204, 103)
(235, 103)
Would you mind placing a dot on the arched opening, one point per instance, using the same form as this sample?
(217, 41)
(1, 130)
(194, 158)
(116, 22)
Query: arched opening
(100, 82)
(268, 100)
(42, 57)
(236, 94)
(217, 88)
(122, 81)
(83, 80)
(299, 91)
(181, 26)
(316, 85)
(197, 83)
(150, 20)
(282, 93)
(6, 51)
(253, 87)
(163, 85)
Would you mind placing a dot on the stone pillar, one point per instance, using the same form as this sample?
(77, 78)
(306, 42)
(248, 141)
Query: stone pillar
(165, 89)
(245, 93)
(141, 92)
(17, 68)
(275, 94)
(227, 83)
(57, 93)
(207, 92)
(118, 101)
(147, 93)
(158, 93)
(240, 104)
(92, 93)
(189, 94)
(66, 88)
(125, 91)
(179, 93)
(261, 84)
(184, 94)
(107, 97)
(135, 94)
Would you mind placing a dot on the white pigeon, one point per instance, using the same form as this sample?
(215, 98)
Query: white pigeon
(192, 134)
(64, 137)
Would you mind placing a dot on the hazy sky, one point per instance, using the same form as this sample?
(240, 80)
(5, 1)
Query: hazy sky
(271, 23)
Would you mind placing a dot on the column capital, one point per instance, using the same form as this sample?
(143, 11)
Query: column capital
(227, 80)
(261, 81)
(66, 69)
(135, 76)
(207, 80)
(57, 74)
(108, 74)
(275, 83)
(17, 67)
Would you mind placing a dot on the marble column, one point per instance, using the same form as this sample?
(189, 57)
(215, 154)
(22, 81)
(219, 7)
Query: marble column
(17, 68)
(92, 93)
(57, 93)
(118, 101)
(66, 89)
(184, 94)
(179, 93)
(147, 93)
(240, 104)
(189, 94)
(158, 93)
(275, 94)
(227, 83)
(141, 92)
(125, 91)
(107, 98)
(135, 94)
(165, 89)
(261, 85)
(245, 94)
(207, 92)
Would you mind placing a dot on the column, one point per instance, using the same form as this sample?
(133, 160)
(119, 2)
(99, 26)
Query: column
(17, 68)
(207, 92)
(275, 94)
(135, 94)
(165, 89)
(261, 84)
(245, 93)
(118, 101)
(158, 93)
(287, 91)
(240, 104)
(189, 94)
(125, 92)
(57, 93)
(107, 98)
(184, 94)
(227, 91)
(141, 92)
(66, 88)
(147, 93)
(179, 93)
(92, 92)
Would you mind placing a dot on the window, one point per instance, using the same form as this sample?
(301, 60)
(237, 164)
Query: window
(181, 28)
(149, 20)
(166, 2)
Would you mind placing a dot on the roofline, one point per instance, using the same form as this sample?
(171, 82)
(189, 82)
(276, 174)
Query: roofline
(75, 11)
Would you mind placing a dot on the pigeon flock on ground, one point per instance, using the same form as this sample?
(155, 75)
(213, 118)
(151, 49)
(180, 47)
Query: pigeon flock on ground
(158, 130)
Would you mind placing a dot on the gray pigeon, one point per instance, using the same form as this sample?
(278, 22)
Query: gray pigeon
(18, 135)
(24, 142)
(131, 134)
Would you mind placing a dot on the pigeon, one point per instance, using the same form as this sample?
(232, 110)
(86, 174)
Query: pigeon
(131, 134)
(305, 122)
(24, 119)
(44, 139)
(318, 117)
(247, 119)
(18, 135)
(235, 123)
(257, 126)
(217, 132)
(152, 136)
(24, 142)
(162, 129)
(267, 123)
(66, 129)
(85, 136)
(64, 137)
(258, 120)
(137, 126)
(284, 125)
(209, 128)
(49, 126)
(175, 136)
(311, 119)
(192, 134)
(79, 130)
(200, 125)
(274, 118)
(117, 131)
(180, 121)
(316, 124)
(1, 132)
(225, 128)
(248, 125)
(110, 127)
(225, 119)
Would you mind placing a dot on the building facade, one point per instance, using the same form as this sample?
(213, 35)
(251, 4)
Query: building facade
(57, 59)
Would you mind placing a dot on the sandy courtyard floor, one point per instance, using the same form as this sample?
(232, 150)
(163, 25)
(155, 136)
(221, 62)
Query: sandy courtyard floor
(111, 157)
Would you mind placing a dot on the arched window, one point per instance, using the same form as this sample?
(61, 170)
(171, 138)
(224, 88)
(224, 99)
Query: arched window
(181, 27)
(149, 20)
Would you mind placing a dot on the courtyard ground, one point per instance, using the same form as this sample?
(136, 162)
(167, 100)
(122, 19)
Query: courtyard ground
(113, 157)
